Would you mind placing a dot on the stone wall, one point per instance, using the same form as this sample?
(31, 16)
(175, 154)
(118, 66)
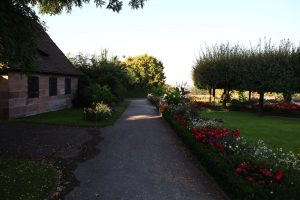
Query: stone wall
(20, 105)
(3, 97)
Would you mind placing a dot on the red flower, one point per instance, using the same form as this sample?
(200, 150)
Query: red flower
(278, 176)
(178, 117)
(243, 165)
(238, 170)
(238, 133)
(220, 147)
(250, 179)
(267, 173)
(261, 182)
(263, 166)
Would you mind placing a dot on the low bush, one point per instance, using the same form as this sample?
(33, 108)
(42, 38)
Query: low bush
(102, 94)
(206, 106)
(100, 111)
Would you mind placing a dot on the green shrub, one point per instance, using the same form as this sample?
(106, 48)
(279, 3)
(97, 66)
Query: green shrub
(84, 95)
(176, 95)
(102, 94)
(236, 105)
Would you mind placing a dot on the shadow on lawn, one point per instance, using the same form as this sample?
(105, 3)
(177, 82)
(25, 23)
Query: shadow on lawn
(62, 147)
(67, 166)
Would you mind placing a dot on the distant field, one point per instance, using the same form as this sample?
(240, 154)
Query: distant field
(275, 131)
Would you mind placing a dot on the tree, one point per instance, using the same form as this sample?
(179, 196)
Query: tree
(263, 68)
(20, 27)
(103, 70)
(145, 71)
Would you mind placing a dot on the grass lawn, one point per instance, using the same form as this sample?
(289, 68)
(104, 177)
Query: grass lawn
(25, 179)
(275, 131)
(74, 117)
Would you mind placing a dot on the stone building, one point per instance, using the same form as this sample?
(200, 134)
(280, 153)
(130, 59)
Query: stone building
(52, 85)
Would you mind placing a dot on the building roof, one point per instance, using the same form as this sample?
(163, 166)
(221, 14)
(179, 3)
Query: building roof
(51, 60)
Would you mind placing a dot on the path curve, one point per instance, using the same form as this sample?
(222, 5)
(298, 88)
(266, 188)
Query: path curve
(141, 158)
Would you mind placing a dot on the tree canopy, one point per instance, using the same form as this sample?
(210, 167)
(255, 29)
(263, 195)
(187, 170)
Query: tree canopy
(262, 68)
(20, 27)
(145, 71)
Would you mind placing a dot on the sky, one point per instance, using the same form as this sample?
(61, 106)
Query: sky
(174, 30)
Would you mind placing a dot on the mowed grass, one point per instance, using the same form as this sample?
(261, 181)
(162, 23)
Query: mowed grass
(26, 179)
(74, 117)
(275, 131)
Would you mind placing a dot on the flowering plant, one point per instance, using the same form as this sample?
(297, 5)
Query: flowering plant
(286, 106)
(261, 174)
(98, 112)
(214, 135)
(271, 170)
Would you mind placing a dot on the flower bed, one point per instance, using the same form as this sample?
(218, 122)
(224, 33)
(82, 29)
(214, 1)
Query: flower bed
(286, 107)
(246, 171)
(280, 109)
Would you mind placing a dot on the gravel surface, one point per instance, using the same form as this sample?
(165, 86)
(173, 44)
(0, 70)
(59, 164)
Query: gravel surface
(141, 158)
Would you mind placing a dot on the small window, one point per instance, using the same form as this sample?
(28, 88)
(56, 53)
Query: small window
(52, 86)
(67, 86)
(33, 86)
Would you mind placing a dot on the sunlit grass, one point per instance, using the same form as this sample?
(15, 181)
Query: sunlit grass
(275, 131)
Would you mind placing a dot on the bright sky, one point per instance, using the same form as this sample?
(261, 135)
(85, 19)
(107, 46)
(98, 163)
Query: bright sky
(173, 31)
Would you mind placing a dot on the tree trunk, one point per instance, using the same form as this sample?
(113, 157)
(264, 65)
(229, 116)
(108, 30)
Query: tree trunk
(249, 98)
(214, 94)
(261, 100)
(224, 98)
(287, 96)
(209, 95)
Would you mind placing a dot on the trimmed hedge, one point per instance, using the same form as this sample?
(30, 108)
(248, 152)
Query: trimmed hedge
(235, 186)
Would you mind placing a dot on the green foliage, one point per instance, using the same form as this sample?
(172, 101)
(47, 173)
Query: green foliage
(262, 68)
(57, 7)
(242, 97)
(20, 27)
(102, 70)
(102, 94)
(175, 96)
(84, 95)
(145, 71)
(136, 91)
(159, 90)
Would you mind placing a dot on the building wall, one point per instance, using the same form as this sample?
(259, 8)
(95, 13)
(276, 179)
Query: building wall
(20, 105)
(3, 96)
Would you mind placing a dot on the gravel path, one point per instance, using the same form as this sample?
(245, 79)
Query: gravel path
(141, 158)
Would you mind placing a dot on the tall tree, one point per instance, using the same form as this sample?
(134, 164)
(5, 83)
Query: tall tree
(145, 71)
(20, 27)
